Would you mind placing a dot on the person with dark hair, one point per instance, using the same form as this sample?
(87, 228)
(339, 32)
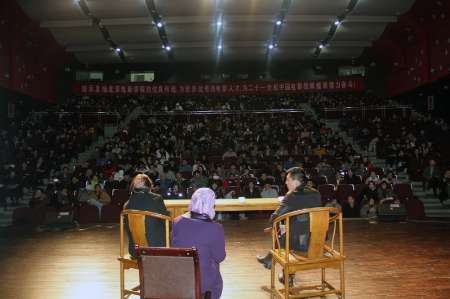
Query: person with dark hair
(251, 191)
(351, 178)
(299, 197)
(444, 187)
(350, 209)
(99, 197)
(432, 176)
(143, 199)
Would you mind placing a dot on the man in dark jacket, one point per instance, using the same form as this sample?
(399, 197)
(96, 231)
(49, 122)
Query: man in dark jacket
(143, 199)
(298, 197)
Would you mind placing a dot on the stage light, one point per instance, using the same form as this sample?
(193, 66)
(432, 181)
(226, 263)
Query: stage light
(219, 23)
(337, 22)
(219, 47)
(168, 48)
(118, 50)
(278, 22)
(159, 24)
(321, 46)
(270, 46)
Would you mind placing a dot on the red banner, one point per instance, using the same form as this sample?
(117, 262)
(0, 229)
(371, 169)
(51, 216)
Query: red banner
(263, 87)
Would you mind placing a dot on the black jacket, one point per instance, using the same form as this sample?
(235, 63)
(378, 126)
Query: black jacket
(144, 200)
(302, 198)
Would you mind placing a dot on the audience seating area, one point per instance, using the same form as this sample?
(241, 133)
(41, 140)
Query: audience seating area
(243, 152)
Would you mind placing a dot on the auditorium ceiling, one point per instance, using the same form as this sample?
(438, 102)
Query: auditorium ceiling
(149, 31)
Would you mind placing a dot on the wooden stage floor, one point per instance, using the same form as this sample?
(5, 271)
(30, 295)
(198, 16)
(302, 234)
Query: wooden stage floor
(385, 260)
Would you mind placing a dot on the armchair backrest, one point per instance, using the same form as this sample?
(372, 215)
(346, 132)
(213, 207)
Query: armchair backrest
(137, 227)
(323, 223)
(318, 224)
(169, 273)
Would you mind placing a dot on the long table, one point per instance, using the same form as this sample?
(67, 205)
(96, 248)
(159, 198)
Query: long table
(178, 207)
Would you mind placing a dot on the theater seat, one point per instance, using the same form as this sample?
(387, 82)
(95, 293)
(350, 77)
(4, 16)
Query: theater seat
(358, 190)
(111, 214)
(87, 214)
(326, 192)
(320, 180)
(403, 191)
(343, 191)
(22, 216)
(119, 197)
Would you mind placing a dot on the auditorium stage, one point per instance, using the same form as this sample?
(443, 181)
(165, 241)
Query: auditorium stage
(385, 260)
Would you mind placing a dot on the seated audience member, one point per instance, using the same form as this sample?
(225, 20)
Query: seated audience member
(350, 209)
(125, 182)
(216, 187)
(444, 187)
(229, 154)
(385, 191)
(333, 204)
(373, 177)
(231, 194)
(111, 184)
(368, 208)
(99, 197)
(269, 192)
(371, 192)
(233, 172)
(199, 180)
(361, 170)
(263, 180)
(251, 191)
(431, 176)
(197, 229)
(351, 178)
(38, 200)
(185, 167)
(174, 193)
(143, 199)
(390, 178)
(63, 198)
(164, 183)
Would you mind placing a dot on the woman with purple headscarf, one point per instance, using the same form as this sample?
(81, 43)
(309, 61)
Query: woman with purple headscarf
(197, 229)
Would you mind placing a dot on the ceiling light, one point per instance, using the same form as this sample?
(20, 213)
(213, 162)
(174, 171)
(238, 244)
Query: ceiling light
(219, 47)
(118, 50)
(159, 24)
(278, 22)
(168, 48)
(270, 46)
(219, 23)
(321, 46)
(337, 22)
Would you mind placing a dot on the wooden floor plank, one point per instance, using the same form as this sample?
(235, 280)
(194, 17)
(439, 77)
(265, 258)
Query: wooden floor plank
(385, 260)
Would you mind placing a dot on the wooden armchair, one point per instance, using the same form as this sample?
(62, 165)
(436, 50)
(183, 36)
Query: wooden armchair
(137, 227)
(178, 274)
(321, 254)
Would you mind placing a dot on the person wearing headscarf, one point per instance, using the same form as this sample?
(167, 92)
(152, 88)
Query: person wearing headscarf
(197, 229)
(143, 199)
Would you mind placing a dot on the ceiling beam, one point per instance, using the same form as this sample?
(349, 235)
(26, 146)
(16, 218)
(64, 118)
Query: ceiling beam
(235, 44)
(210, 20)
(105, 33)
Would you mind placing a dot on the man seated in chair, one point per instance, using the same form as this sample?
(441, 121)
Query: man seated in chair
(143, 199)
(298, 197)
